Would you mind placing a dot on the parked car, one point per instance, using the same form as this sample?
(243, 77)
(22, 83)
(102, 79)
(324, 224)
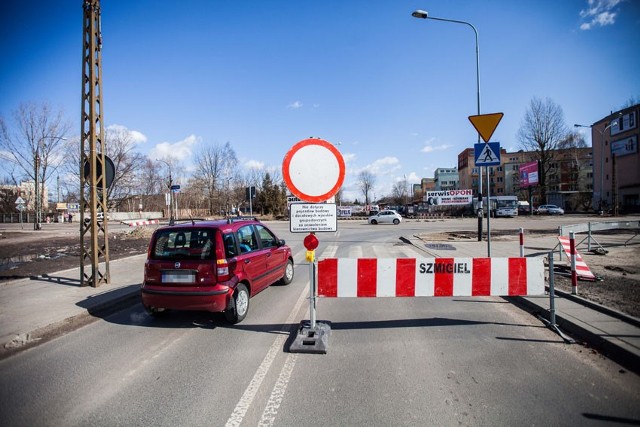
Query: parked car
(213, 266)
(99, 217)
(549, 210)
(388, 216)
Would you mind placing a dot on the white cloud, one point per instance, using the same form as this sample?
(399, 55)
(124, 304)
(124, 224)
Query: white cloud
(180, 150)
(254, 164)
(383, 166)
(430, 148)
(349, 157)
(136, 137)
(599, 13)
(295, 105)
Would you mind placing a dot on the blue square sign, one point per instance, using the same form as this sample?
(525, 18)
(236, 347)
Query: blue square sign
(487, 154)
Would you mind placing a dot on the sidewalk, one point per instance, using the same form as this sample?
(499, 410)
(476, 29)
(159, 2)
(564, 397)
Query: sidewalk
(33, 311)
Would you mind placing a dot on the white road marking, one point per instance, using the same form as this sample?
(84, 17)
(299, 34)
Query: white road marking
(277, 394)
(252, 389)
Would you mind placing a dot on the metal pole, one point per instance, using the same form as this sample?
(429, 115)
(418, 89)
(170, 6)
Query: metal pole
(488, 215)
(552, 292)
(36, 222)
(312, 293)
(424, 15)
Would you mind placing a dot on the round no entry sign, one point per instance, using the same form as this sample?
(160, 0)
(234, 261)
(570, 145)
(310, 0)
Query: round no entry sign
(313, 170)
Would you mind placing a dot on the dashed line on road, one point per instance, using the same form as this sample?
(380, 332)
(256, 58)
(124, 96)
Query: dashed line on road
(252, 389)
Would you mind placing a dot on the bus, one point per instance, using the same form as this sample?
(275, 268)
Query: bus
(501, 206)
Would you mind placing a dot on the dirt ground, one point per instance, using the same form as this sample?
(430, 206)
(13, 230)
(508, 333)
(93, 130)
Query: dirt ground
(619, 269)
(23, 257)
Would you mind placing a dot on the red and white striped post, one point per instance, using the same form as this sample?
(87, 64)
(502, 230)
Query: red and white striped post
(574, 273)
(521, 242)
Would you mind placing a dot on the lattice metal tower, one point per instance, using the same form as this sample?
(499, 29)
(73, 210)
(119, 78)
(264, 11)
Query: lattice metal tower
(94, 240)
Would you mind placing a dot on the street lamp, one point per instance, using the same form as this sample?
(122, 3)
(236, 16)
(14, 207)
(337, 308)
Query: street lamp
(423, 14)
(37, 221)
(170, 190)
(601, 132)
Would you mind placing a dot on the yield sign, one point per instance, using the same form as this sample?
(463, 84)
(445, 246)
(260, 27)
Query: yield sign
(486, 124)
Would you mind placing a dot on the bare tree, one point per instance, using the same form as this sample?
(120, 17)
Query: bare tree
(366, 181)
(399, 192)
(33, 142)
(129, 164)
(214, 165)
(542, 131)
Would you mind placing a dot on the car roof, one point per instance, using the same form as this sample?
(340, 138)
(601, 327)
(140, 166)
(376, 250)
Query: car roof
(225, 225)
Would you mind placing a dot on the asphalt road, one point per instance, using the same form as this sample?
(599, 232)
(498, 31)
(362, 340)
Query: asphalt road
(402, 361)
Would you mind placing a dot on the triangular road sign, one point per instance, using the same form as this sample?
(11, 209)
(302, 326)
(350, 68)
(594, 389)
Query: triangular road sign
(486, 124)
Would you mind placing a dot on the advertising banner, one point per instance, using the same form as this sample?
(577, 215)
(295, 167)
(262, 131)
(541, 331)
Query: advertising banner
(625, 146)
(449, 197)
(529, 174)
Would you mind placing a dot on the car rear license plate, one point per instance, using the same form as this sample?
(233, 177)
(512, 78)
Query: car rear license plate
(178, 276)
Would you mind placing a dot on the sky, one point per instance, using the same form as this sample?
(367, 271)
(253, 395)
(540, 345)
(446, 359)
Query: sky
(391, 91)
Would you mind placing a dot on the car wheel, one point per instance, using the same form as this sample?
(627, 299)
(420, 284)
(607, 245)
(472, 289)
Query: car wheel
(288, 273)
(396, 221)
(239, 305)
(374, 222)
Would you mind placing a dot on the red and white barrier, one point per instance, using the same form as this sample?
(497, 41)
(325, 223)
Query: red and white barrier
(581, 269)
(149, 222)
(447, 277)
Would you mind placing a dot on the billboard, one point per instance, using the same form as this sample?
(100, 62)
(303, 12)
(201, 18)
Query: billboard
(449, 197)
(529, 174)
(624, 146)
(626, 122)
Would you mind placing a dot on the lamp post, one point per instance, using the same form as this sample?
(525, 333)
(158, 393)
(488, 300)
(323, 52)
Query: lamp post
(170, 191)
(423, 14)
(227, 208)
(601, 132)
(37, 221)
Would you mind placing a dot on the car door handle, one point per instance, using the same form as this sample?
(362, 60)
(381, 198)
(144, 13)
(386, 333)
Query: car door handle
(247, 261)
(269, 254)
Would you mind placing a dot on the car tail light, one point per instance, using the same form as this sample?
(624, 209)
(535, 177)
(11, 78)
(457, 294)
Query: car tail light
(222, 270)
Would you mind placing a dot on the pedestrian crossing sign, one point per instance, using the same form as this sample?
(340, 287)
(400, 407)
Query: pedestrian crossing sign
(487, 154)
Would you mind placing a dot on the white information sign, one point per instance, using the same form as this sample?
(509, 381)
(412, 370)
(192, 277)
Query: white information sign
(313, 217)
(449, 197)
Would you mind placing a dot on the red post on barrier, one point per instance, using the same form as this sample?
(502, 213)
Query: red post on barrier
(521, 242)
(574, 273)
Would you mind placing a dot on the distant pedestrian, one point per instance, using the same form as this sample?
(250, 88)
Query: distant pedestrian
(70, 218)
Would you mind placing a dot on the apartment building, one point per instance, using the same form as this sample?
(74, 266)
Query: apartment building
(616, 161)
(446, 179)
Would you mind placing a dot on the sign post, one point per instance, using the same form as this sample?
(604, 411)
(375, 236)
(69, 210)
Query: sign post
(313, 170)
(20, 206)
(486, 124)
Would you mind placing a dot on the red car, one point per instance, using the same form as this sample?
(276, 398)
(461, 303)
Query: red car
(213, 266)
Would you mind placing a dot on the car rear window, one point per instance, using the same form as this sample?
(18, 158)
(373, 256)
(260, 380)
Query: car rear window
(192, 243)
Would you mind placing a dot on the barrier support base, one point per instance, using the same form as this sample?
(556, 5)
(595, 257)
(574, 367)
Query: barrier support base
(312, 340)
(557, 330)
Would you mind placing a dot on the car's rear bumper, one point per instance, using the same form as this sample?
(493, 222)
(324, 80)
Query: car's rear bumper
(214, 299)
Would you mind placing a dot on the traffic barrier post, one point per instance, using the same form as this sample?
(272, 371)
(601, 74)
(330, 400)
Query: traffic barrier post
(521, 242)
(574, 273)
